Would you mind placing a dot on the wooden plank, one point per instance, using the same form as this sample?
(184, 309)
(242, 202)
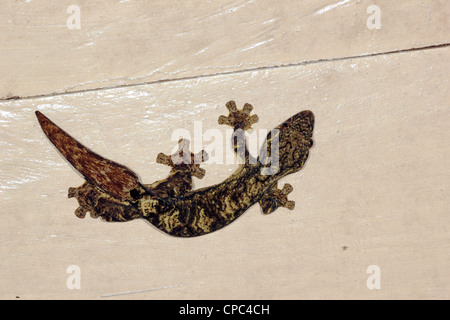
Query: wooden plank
(131, 42)
(374, 192)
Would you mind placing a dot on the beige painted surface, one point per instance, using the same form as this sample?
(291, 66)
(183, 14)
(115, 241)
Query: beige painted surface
(375, 190)
(131, 42)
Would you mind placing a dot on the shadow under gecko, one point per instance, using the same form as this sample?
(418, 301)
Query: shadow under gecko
(114, 193)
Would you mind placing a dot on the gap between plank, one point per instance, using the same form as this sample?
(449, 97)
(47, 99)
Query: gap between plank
(138, 291)
(304, 63)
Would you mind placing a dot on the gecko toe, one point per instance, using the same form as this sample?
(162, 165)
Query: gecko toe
(72, 192)
(247, 108)
(287, 188)
(81, 211)
(164, 159)
(231, 106)
(223, 120)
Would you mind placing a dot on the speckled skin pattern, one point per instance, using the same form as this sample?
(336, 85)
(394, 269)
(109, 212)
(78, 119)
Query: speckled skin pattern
(114, 193)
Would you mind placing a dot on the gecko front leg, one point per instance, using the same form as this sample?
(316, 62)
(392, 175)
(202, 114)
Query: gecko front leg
(275, 198)
(240, 121)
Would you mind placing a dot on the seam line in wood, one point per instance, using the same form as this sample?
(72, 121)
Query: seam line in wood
(304, 63)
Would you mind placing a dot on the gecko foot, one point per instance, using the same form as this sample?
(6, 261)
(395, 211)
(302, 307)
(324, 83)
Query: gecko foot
(80, 193)
(275, 198)
(185, 161)
(81, 211)
(239, 119)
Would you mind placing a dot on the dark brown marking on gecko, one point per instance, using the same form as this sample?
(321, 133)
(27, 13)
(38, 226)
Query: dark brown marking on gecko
(114, 192)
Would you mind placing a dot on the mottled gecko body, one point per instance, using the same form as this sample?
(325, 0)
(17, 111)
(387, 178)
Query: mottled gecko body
(113, 192)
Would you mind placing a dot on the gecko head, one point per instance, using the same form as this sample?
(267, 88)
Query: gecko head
(301, 125)
(307, 124)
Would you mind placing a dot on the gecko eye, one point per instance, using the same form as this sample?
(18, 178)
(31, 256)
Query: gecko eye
(134, 194)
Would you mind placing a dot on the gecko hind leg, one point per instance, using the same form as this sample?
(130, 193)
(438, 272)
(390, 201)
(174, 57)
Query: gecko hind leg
(275, 198)
(79, 193)
(185, 161)
(185, 165)
(100, 204)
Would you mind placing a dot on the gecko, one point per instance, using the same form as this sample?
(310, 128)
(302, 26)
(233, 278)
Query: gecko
(115, 193)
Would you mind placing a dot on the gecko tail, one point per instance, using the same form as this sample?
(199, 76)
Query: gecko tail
(114, 178)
